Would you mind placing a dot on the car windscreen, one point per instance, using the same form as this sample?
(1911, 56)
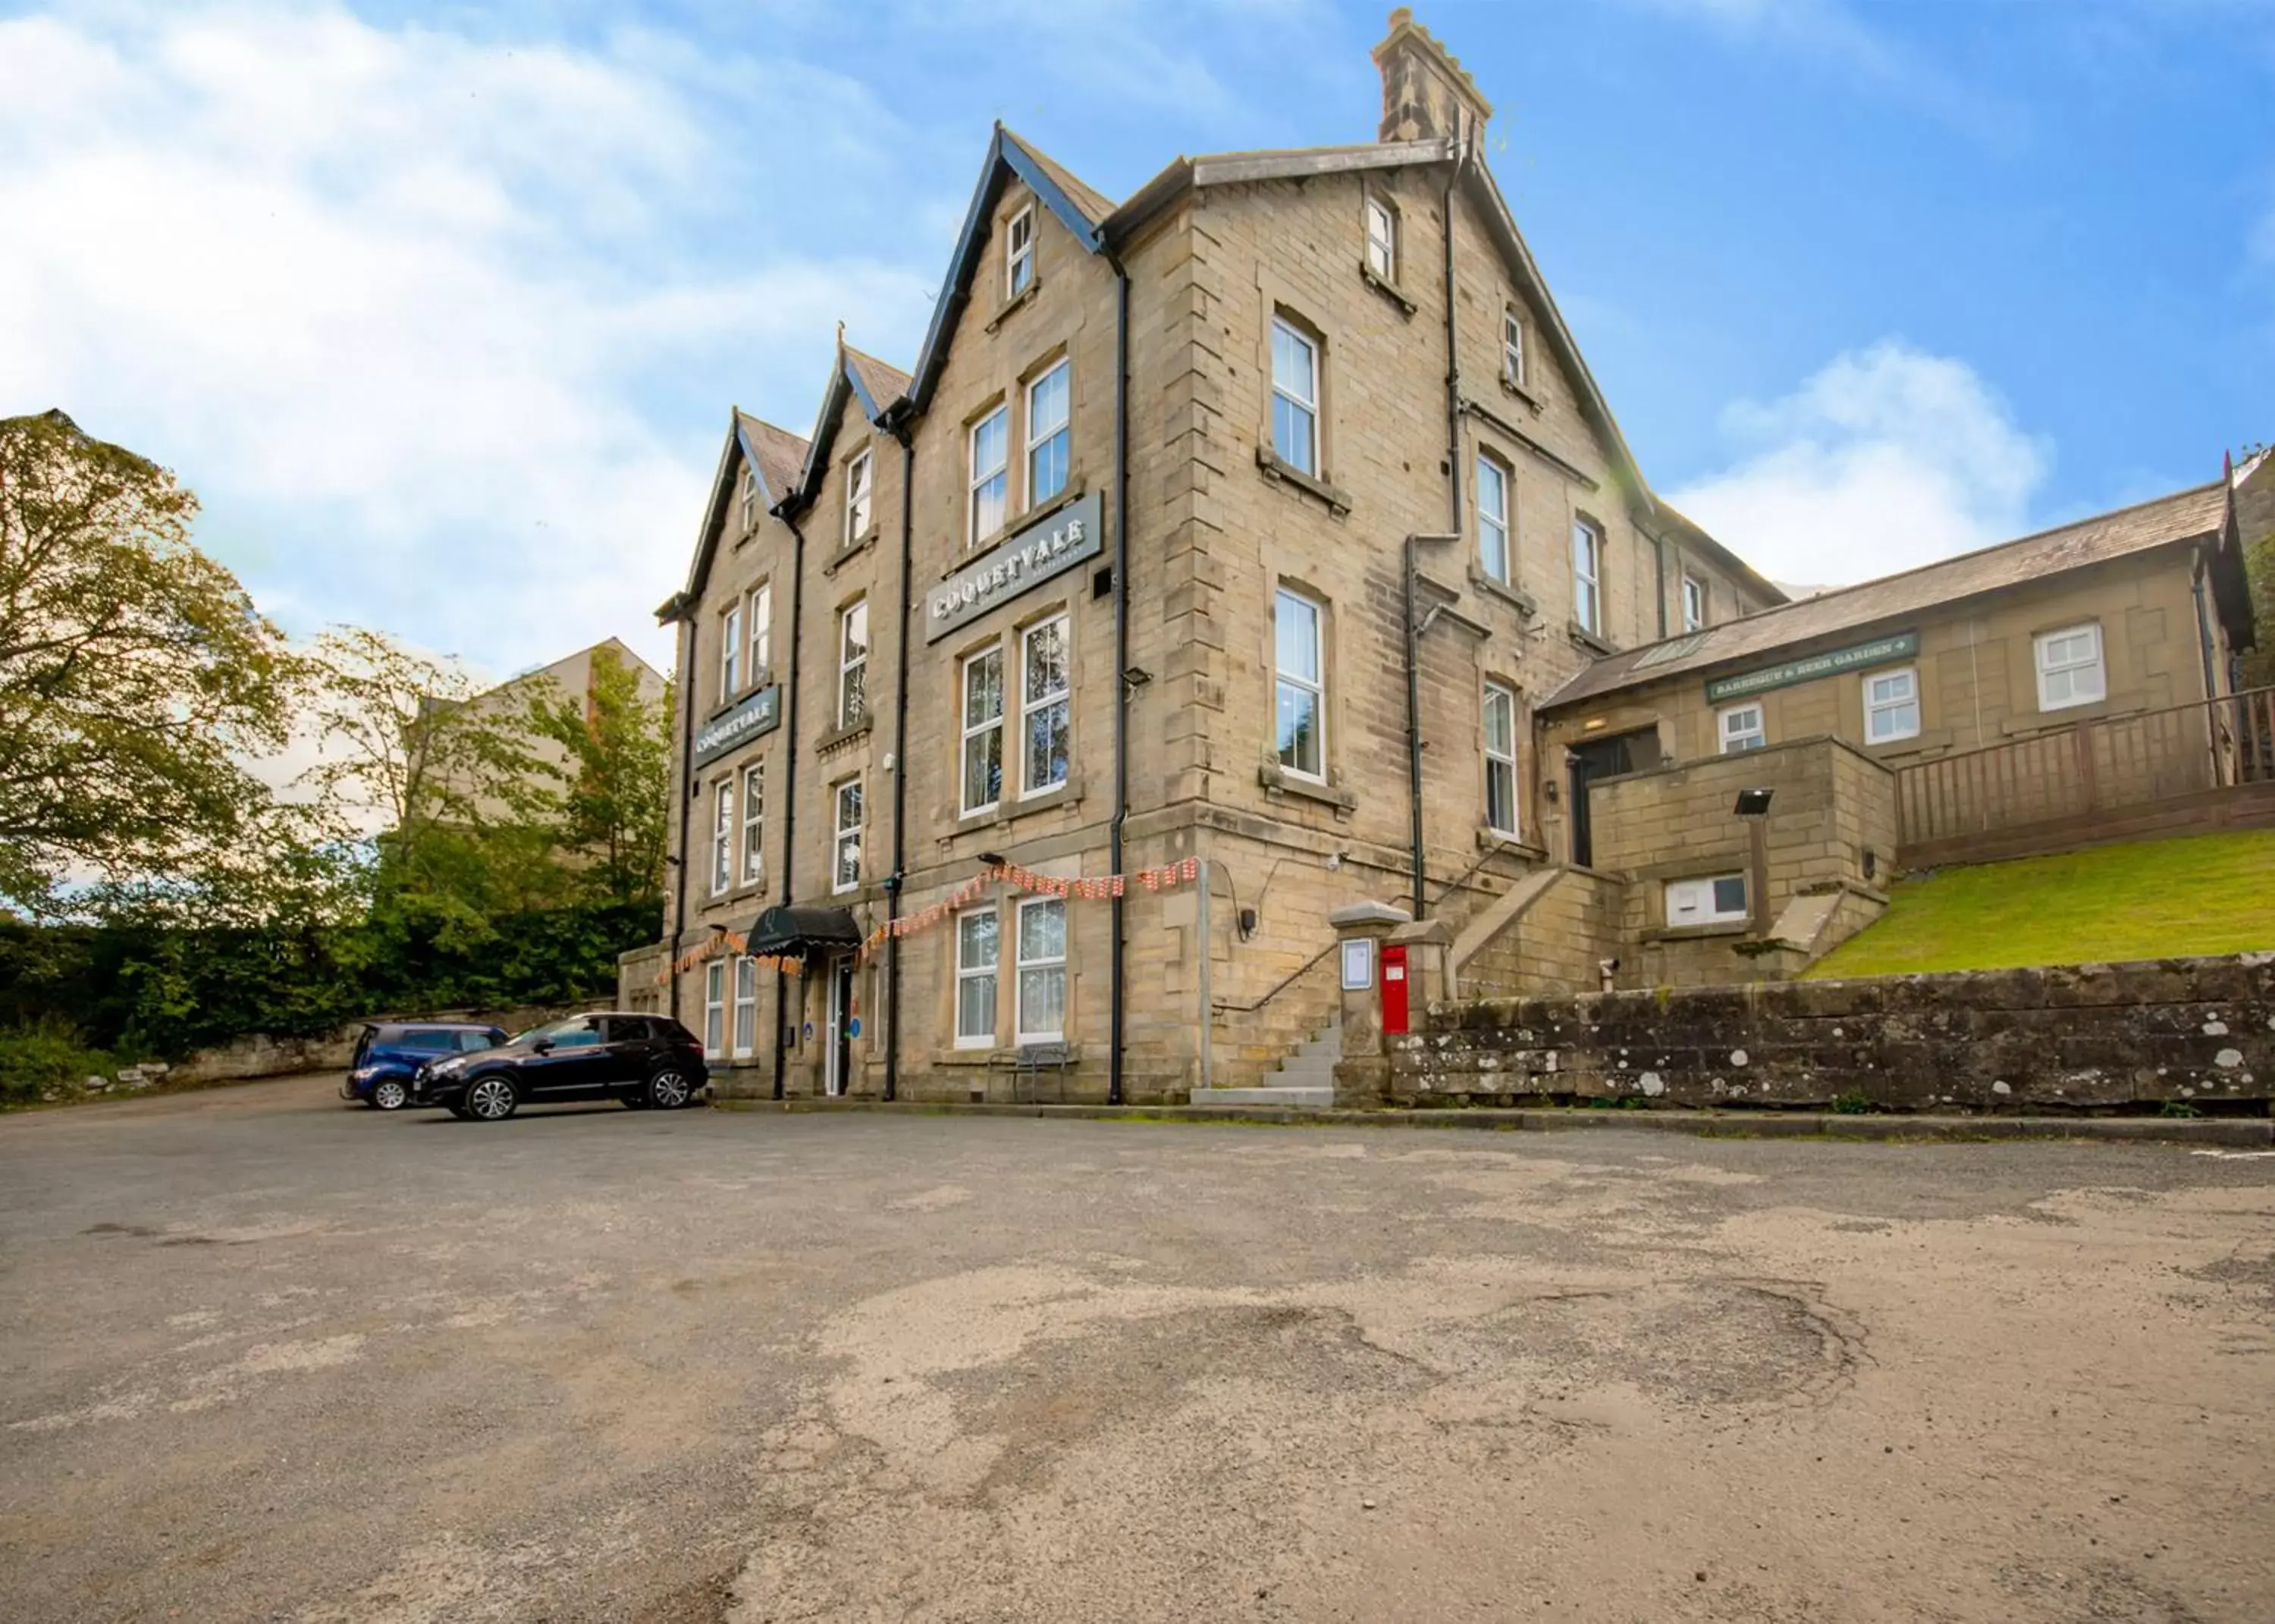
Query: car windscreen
(574, 1032)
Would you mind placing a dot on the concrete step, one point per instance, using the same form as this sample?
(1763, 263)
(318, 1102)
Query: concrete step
(1269, 1094)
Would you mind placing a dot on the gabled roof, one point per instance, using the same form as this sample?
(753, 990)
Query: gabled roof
(1081, 209)
(776, 454)
(875, 385)
(879, 384)
(2198, 514)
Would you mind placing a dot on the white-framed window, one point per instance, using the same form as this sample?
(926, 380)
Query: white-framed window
(714, 1008)
(2070, 670)
(754, 823)
(1588, 576)
(991, 448)
(845, 864)
(761, 614)
(723, 835)
(750, 499)
(853, 662)
(1019, 253)
(1300, 693)
(977, 949)
(1045, 707)
(1493, 519)
(746, 1006)
(1892, 708)
(858, 474)
(1381, 240)
(1042, 969)
(983, 730)
(1501, 759)
(730, 654)
(1049, 405)
(1714, 899)
(1512, 345)
(1295, 398)
(1741, 729)
(1694, 604)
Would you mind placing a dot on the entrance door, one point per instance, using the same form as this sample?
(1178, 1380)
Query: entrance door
(1603, 758)
(837, 1053)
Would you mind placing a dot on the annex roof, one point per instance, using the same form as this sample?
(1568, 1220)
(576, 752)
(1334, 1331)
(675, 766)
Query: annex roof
(2199, 513)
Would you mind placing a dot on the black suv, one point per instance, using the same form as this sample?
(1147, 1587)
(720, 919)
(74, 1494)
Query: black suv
(643, 1060)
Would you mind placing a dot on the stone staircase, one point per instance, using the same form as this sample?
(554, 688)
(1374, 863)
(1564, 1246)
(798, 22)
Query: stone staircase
(1306, 1078)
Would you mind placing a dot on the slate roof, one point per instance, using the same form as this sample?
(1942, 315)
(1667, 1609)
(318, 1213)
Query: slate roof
(2190, 514)
(1092, 203)
(781, 455)
(883, 381)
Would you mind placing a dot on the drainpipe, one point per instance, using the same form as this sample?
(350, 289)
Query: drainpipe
(686, 797)
(1414, 734)
(900, 767)
(790, 769)
(1658, 578)
(1120, 678)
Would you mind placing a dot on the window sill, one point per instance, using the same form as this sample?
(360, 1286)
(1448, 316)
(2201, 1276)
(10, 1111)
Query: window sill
(1339, 501)
(1278, 782)
(853, 549)
(1018, 301)
(1515, 595)
(765, 679)
(828, 742)
(1001, 1057)
(1005, 813)
(1073, 491)
(1389, 290)
(1588, 639)
(750, 890)
(1698, 932)
(1516, 390)
(1515, 846)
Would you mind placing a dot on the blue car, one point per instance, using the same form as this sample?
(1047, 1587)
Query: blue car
(389, 1054)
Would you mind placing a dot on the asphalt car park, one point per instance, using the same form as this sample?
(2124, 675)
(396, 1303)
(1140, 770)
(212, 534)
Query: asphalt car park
(272, 1356)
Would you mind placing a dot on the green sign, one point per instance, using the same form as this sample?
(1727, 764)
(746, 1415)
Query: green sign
(1809, 667)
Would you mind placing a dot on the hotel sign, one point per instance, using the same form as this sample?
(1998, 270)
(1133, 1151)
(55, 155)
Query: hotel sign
(1809, 667)
(1042, 550)
(760, 714)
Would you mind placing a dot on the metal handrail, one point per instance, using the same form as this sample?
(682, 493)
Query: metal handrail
(1284, 983)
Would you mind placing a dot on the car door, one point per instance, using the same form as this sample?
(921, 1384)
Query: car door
(630, 1047)
(572, 1063)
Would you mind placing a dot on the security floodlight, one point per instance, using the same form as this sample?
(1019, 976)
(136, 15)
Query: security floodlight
(991, 859)
(1753, 803)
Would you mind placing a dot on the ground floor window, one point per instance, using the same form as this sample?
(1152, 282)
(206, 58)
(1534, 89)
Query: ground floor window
(714, 1008)
(1718, 899)
(1743, 730)
(1891, 705)
(1042, 971)
(746, 1006)
(976, 950)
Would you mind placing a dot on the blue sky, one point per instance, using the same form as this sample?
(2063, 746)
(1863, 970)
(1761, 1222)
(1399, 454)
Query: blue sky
(440, 306)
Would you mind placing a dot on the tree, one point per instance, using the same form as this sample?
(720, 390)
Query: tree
(614, 780)
(2255, 508)
(135, 676)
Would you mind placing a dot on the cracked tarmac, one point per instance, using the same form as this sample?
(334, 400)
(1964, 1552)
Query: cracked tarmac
(268, 1357)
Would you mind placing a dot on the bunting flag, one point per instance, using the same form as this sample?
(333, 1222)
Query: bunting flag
(733, 941)
(1097, 888)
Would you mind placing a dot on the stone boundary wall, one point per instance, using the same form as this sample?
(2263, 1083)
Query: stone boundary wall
(261, 1055)
(2080, 1036)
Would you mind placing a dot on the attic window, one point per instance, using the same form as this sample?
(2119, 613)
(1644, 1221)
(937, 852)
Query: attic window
(1019, 253)
(749, 500)
(1512, 346)
(1381, 240)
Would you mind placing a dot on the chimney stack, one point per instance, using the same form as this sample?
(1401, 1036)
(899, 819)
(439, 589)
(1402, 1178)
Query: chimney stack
(1426, 93)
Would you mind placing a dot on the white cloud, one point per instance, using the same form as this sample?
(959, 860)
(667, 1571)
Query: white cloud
(413, 312)
(1888, 458)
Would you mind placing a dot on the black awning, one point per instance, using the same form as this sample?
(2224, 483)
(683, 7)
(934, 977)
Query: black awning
(799, 933)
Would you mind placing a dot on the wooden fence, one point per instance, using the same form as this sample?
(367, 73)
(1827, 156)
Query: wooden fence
(2095, 767)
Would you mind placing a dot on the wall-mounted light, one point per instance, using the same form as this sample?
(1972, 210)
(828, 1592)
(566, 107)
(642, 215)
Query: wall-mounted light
(1753, 803)
(1136, 678)
(992, 859)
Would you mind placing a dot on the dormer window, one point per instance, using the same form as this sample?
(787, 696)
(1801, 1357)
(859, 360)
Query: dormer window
(1019, 254)
(857, 499)
(1512, 346)
(1381, 240)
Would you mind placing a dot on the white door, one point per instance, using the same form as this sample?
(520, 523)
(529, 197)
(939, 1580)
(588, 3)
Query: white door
(835, 1053)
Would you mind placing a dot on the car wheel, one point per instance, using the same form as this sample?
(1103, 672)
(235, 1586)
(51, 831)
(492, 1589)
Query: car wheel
(491, 1098)
(389, 1094)
(669, 1090)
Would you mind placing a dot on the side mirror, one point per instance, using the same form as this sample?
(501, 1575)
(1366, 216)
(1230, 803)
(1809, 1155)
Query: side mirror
(543, 1045)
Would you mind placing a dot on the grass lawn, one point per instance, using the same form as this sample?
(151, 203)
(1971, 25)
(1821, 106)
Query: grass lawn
(2153, 899)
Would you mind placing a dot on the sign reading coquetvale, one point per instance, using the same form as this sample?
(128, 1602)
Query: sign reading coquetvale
(761, 713)
(1048, 548)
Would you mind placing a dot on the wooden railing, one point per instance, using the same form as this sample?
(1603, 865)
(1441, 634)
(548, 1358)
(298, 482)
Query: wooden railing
(2093, 767)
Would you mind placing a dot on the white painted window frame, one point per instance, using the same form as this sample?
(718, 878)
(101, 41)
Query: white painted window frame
(1040, 437)
(1588, 576)
(847, 836)
(1512, 345)
(997, 474)
(722, 838)
(1307, 403)
(1281, 677)
(714, 1009)
(860, 476)
(730, 652)
(1727, 741)
(2043, 644)
(1501, 760)
(852, 660)
(754, 824)
(973, 731)
(760, 616)
(1494, 520)
(1875, 710)
(1694, 603)
(1382, 238)
(1019, 252)
(745, 1027)
(1061, 697)
(1023, 965)
(992, 972)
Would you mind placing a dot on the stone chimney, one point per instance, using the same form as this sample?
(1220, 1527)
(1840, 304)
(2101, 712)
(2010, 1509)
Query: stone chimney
(1426, 93)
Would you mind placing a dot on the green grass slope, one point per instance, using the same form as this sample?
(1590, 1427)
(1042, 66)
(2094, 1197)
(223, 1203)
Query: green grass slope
(2152, 899)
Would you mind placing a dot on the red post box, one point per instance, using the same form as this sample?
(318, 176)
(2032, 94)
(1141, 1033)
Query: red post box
(1393, 988)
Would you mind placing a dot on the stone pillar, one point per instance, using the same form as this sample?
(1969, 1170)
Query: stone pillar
(1363, 1074)
(1429, 944)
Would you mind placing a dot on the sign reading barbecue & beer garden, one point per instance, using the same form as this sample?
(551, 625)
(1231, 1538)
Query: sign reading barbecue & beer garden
(1042, 550)
(759, 714)
(1809, 667)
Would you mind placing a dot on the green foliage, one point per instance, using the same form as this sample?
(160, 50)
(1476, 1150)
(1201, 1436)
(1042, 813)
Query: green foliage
(1851, 1103)
(48, 1056)
(135, 676)
(2140, 900)
(2184, 1108)
(610, 790)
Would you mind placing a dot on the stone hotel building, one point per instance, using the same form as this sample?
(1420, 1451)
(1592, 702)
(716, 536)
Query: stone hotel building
(1263, 539)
